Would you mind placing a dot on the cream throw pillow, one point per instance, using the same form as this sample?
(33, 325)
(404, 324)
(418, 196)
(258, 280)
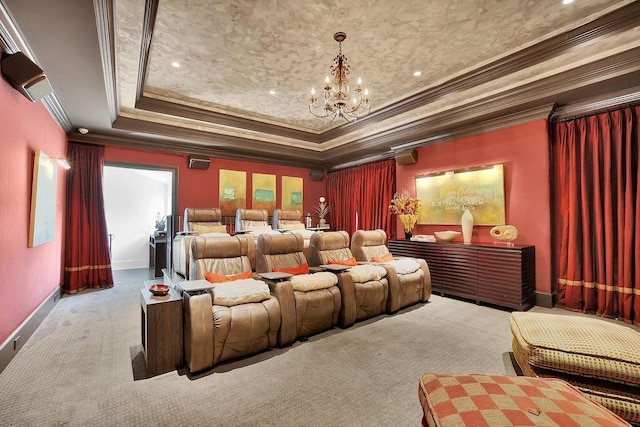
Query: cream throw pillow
(367, 272)
(312, 282)
(242, 291)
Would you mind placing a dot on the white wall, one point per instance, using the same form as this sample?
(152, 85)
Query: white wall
(132, 199)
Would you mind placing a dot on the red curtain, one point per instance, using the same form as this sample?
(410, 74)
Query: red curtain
(596, 181)
(365, 190)
(87, 260)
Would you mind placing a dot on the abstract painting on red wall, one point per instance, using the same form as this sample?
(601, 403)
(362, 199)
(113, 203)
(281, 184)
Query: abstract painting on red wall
(445, 196)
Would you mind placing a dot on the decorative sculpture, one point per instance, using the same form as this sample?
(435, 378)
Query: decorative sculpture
(504, 232)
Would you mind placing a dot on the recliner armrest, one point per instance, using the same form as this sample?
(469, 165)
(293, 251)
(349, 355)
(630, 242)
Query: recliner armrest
(426, 291)
(393, 303)
(283, 292)
(348, 310)
(198, 331)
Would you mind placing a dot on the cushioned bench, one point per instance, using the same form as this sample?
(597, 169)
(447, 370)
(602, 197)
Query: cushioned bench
(600, 358)
(500, 400)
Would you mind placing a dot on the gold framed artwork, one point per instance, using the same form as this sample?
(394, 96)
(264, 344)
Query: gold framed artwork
(264, 192)
(42, 221)
(233, 191)
(445, 196)
(292, 193)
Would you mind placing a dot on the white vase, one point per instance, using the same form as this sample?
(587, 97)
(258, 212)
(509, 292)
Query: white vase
(467, 226)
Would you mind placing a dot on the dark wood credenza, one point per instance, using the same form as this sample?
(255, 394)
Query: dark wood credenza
(493, 274)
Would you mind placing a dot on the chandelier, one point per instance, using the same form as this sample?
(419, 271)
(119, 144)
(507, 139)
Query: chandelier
(337, 99)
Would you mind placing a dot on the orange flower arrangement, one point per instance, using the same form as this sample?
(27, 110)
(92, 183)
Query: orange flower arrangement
(407, 208)
(404, 204)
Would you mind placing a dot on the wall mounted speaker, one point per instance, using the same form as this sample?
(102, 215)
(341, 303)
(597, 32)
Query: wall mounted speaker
(26, 76)
(407, 158)
(316, 175)
(199, 162)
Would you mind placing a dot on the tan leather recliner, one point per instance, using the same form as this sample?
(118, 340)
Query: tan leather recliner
(196, 221)
(409, 278)
(364, 288)
(236, 318)
(309, 303)
(291, 220)
(253, 222)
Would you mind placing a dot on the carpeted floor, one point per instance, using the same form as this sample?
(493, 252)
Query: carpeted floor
(81, 365)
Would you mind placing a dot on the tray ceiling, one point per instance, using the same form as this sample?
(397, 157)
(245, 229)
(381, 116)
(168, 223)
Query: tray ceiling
(532, 54)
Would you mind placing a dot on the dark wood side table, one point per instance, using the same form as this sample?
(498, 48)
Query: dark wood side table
(161, 318)
(157, 253)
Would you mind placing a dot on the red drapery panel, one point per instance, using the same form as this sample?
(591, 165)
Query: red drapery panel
(597, 205)
(365, 190)
(87, 261)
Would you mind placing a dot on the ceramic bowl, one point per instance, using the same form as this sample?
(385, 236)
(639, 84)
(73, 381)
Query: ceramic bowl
(159, 289)
(447, 236)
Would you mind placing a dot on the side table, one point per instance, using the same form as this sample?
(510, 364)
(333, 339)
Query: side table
(161, 319)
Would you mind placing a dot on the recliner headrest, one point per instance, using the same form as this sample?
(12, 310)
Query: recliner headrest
(369, 237)
(219, 247)
(202, 215)
(272, 244)
(332, 240)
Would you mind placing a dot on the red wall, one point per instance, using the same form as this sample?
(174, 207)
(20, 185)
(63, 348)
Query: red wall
(524, 152)
(28, 275)
(200, 189)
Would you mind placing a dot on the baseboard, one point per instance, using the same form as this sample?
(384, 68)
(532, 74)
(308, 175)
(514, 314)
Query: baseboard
(130, 264)
(11, 347)
(545, 300)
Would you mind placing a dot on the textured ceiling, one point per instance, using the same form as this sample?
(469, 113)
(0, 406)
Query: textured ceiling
(485, 65)
(233, 52)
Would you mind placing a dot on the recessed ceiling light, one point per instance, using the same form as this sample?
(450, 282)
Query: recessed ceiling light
(175, 64)
(272, 92)
(567, 1)
(83, 131)
(417, 73)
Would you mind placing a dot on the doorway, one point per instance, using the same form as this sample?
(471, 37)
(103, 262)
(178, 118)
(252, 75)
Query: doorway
(135, 196)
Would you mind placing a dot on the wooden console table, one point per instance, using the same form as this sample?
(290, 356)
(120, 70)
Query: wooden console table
(157, 253)
(161, 331)
(494, 274)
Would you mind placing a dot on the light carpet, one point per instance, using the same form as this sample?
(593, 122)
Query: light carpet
(79, 368)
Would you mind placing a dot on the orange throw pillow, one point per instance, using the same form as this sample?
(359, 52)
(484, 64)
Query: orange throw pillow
(386, 258)
(350, 262)
(301, 269)
(219, 278)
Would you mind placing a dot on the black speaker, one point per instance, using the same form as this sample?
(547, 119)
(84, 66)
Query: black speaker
(407, 158)
(198, 162)
(26, 76)
(316, 175)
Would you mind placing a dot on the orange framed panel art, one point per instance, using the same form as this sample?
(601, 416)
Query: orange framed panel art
(292, 197)
(264, 192)
(233, 191)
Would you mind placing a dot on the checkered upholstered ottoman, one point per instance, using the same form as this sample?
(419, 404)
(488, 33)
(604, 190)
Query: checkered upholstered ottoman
(499, 400)
(600, 358)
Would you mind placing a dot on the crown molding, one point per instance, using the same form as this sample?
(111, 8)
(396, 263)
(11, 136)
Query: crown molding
(597, 105)
(516, 105)
(200, 114)
(150, 13)
(105, 15)
(216, 145)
